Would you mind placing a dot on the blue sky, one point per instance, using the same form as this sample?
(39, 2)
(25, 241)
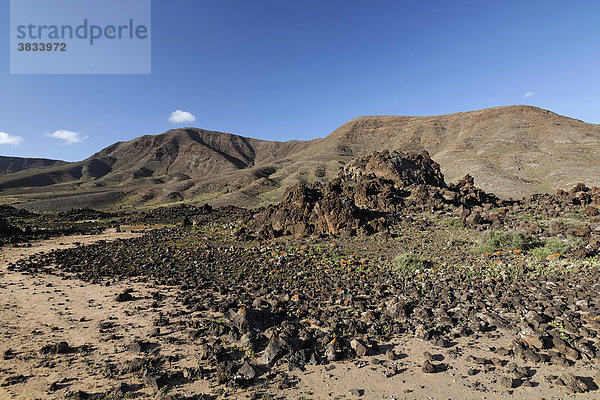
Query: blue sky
(283, 70)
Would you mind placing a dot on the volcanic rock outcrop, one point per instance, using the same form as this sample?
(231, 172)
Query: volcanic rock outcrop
(365, 192)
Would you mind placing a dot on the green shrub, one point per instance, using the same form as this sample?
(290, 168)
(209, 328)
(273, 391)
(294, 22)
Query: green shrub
(524, 241)
(552, 246)
(493, 240)
(574, 216)
(408, 263)
(529, 217)
(454, 223)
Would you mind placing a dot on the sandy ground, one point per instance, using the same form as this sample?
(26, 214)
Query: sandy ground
(36, 310)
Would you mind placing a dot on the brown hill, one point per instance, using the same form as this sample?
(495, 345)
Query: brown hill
(510, 151)
(10, 165)
(154, 169)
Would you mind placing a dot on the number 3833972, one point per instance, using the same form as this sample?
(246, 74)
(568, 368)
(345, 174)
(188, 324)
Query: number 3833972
(42, 46)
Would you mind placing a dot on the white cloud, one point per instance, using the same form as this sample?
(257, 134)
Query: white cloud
(5, 138)
(69, 137)
(179, 116)
(528, 94)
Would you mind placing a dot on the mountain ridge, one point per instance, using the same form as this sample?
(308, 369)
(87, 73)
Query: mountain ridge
(512, 151)
(10, 164)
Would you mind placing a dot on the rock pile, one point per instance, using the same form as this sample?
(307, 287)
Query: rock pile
(365, 192)
(10, 211)
(555, 205)
(311, 210)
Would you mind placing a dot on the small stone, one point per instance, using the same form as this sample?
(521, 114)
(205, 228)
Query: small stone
(390, 371)
(78, 395)
(531, 337)
(192, 373)
(62, 348)
(428, 356)
(440, 342)
(136, 347)
(529, 355)
(507, 382)
(161, 321)
(125, 296)
(154, 332)
(357, 392)
(359, 347)
(136, 364)
(574, 384)
(503, 352)
(118, 392)
(274, 350)
(564, 349)
(14, 379)
(156, 381)
(58, 348)
(331, 352)
(247, 371)
(428, 367)
(391, 355)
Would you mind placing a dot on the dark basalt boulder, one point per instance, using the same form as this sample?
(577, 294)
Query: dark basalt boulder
(403, 169)
(8, 229)
(311, 210)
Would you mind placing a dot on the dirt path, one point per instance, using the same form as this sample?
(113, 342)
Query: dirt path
(44, 309)
(37, 310)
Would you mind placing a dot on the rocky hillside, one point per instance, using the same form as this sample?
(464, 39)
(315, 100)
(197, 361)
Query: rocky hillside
(179, 154)
(511, 151)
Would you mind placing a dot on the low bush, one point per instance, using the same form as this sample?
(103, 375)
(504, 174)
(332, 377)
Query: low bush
(454, 223)
(408, 264)
(494, 240)
(552, 246)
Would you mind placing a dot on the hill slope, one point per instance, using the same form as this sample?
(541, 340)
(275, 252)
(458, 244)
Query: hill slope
(511, 151)
(10, 165)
